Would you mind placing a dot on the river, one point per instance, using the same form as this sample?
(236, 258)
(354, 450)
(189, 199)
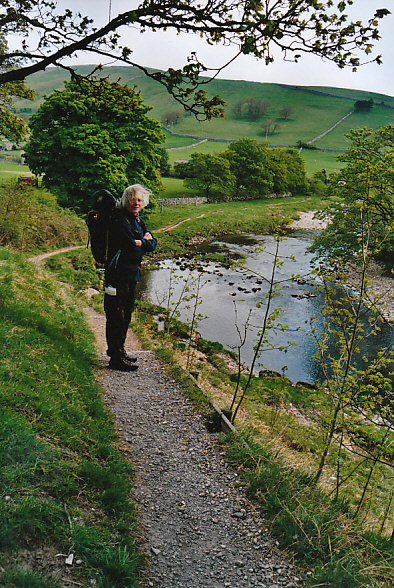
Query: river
(229, 294)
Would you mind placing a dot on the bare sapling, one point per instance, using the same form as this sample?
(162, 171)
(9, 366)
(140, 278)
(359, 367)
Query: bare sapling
(270, 325)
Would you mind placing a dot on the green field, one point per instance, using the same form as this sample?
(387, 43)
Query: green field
(173, 141)
(316, 160)
(10, 169)
(311, 115)
(175, 188)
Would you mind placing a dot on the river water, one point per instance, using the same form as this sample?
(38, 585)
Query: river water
(229, 295)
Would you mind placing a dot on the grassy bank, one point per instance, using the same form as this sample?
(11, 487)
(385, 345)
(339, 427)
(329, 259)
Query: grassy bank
(210, 220)
(64, 482)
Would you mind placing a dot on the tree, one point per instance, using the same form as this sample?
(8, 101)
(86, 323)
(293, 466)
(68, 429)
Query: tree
(251, 108)
(270, 126)
(296, 27)
(237, 108)
(363, 193)
(11, 126)
(165, 166)
(249, 162)
(94, 134)
(182, 170)
(363, 105)
(256, 108)
(294, 180)
(211, 175)
(285, 112)
(171, 117)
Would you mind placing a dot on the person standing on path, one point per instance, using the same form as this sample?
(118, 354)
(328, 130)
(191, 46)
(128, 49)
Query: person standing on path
(129, 239)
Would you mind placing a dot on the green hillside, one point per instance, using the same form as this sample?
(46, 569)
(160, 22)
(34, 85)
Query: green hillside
(313, 112)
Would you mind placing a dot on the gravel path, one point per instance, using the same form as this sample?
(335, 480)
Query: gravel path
(199, 531)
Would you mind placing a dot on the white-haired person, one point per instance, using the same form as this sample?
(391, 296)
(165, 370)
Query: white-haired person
(129, 240)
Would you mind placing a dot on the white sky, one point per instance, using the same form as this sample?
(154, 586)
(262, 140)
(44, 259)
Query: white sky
(167, 49)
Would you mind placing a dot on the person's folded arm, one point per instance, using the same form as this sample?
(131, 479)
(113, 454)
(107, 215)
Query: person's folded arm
(149, 243)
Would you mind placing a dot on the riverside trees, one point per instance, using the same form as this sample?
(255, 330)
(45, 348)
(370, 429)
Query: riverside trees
(94, 134)
(43, 33)
(247, 169)
(362, 198)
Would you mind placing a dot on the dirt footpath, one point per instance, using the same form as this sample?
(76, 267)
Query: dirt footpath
(198, 529)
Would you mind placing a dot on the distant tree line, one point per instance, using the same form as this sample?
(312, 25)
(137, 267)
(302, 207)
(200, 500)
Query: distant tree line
(246, 170)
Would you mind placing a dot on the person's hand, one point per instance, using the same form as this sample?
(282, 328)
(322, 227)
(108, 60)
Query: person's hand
(138, 242)
(148, 236)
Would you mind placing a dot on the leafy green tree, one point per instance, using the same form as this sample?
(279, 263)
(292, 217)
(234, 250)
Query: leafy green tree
(182, 170)
(43, 35)
(94, 134)
(165, 166)
(249, 162)
(295, 180)
(318, 183)
(363, 198)
(357, 395)
(11, 126)
(211, 175)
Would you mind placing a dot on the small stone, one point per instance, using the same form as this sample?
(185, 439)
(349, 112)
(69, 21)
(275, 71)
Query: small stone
(155, 551)
(69, 560)
(7, 498)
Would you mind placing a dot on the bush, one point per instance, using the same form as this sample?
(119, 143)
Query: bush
(30, 219)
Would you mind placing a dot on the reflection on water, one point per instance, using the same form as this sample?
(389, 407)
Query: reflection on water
(228, 293)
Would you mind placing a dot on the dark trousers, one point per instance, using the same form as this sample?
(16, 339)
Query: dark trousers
(118, 310)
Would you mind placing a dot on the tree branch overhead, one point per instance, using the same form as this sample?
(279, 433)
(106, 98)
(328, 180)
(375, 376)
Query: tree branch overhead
(41, 36)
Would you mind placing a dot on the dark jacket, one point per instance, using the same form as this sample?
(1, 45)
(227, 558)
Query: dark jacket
(124, 255)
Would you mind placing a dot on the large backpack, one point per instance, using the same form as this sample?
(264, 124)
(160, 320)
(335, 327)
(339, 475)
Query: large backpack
(98, 220)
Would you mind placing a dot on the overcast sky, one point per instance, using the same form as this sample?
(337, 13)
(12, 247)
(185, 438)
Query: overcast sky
(166, 49)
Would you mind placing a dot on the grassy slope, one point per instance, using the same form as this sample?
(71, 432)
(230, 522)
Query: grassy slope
(312, 113)
(61, 467)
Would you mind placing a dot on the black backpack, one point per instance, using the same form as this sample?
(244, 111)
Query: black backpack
(98, 220)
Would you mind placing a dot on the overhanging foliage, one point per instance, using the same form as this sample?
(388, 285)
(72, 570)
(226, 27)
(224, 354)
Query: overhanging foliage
(44, 35)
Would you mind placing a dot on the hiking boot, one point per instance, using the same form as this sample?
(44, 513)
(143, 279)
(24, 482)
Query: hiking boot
(126, 357)
(121, 366)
